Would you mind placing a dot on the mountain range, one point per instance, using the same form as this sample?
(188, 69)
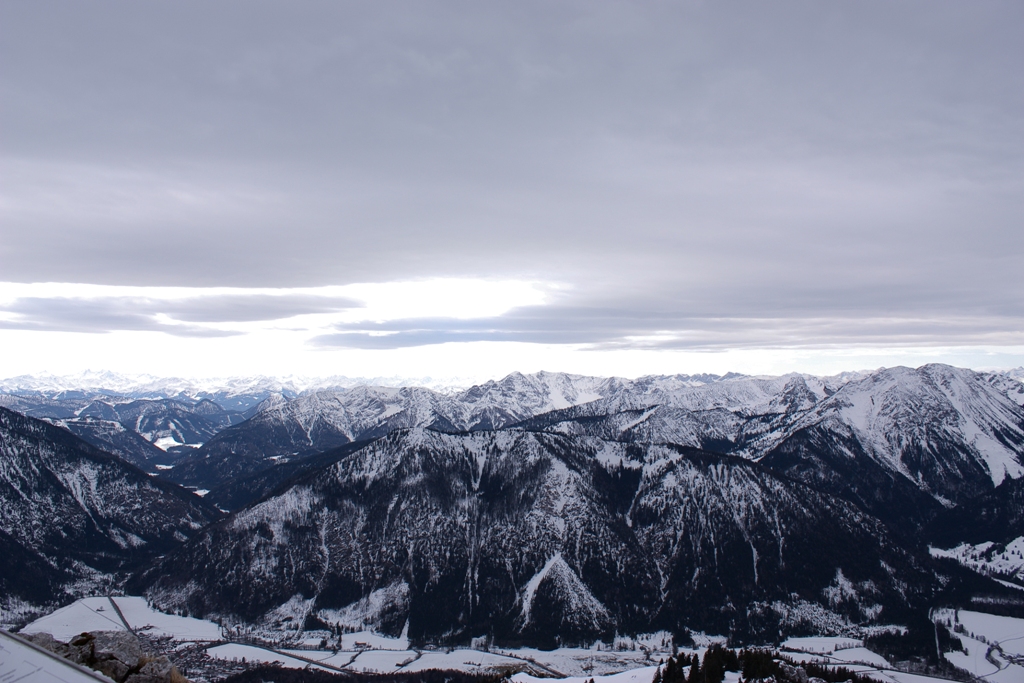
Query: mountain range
(554, 508)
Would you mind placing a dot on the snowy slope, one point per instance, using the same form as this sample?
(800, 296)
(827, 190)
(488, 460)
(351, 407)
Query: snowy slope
(741, 394)
(947, 432)
(999, 560)
(73, 518)
(453, 535)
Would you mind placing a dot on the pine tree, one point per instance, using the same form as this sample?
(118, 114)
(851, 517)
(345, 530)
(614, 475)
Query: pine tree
(671, 675)
(695, 672)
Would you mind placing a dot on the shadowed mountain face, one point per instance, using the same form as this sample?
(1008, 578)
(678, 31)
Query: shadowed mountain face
(73, 518)
(148, 431)
(542, 538)
(996, 516)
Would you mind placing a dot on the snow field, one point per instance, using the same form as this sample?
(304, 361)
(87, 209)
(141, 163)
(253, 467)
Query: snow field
(821, 645)
(849, 657)
(644, 675)
(141, 617)
(87, 614)
(464, 660)
(362, 640)
(571, 662)
(98, 614)
(985, 635)
(586, 662)
(893, 676)
(251, 653)
(1007, 631)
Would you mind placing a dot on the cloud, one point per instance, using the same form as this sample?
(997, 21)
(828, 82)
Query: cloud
(96, 316)
(257, 307)
(188, 317)
(621, 329)
(693, 175)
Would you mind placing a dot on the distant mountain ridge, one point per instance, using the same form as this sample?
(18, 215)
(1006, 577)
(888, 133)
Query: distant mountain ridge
(223, 390)
(106, 383)
(973, 418)
(970, 436)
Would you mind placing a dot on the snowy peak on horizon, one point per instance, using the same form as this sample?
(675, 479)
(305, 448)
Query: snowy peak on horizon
(153, 386)
(489, 404)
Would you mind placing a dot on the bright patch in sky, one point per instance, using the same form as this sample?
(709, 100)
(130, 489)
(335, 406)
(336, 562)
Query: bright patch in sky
(219, 331)
(440, 297)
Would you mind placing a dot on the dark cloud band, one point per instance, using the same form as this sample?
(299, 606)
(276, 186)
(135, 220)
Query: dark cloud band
(181, 317)
(630, 329)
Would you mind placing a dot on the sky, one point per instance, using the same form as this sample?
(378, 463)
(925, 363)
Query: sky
(465, 189)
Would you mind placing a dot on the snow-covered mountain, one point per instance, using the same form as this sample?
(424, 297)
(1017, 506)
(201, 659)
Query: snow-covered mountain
(889, 439)
(556, 505)
(321, 420)
(541, 538)
(908, 419)
(231, 393)
(1014, 373)
(892, 416)
(901, 443)
(1012, 383)
(900, 436)
(73, 519)
(141, 431)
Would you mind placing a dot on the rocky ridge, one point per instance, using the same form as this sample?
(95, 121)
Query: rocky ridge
(115, 654)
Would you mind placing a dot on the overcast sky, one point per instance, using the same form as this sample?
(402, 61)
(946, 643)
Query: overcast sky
(467, 188)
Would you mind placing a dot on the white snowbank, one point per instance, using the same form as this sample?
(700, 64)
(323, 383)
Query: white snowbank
(821, 644)
(644, 675)
(87, 614)
(251, 653)
(142, 617)
(98, 614)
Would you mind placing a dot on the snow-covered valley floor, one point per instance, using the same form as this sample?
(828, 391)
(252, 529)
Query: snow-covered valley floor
(994, 645)
(995, 648)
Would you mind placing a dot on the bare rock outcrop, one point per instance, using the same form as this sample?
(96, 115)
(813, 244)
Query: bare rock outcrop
(116, 654)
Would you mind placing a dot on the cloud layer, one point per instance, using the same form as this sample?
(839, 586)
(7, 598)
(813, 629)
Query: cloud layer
(173, 316)
(692, 175)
